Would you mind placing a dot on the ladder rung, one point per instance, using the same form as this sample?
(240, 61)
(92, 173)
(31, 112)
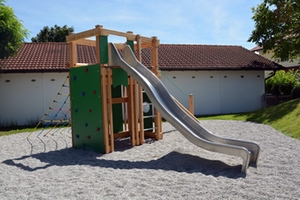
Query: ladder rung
(148, 129)
(149, 116)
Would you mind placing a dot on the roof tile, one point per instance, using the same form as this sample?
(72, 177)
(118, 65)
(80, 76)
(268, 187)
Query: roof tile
(55, 56)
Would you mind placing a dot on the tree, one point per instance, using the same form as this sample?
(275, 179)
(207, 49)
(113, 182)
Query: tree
(53, 34)
(12, 32)
(277, 27)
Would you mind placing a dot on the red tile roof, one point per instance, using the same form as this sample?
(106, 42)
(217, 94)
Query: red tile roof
(53, 57)
(211, 57)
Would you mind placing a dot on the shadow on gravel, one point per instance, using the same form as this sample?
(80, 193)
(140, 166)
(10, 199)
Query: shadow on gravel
(174, 161)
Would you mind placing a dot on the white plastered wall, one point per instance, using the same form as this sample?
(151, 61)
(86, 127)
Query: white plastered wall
(217, 92)
(25, 97)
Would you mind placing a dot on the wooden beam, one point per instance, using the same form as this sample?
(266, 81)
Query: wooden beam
(99, 30)
(121, 134)
(119, 100)
(86, 42)
(186, 110)
(85, 34)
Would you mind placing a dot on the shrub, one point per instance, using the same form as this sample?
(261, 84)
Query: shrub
(282, 83)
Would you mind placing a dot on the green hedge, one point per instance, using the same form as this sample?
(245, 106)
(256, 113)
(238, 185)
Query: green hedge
(283, 83)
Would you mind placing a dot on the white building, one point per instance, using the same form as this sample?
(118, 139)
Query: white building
(223, 79)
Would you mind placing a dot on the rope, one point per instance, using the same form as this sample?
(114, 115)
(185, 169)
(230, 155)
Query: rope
(148, 56)
(51, 106)
(174, 84)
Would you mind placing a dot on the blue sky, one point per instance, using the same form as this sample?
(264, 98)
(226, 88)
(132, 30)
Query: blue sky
(214, 22)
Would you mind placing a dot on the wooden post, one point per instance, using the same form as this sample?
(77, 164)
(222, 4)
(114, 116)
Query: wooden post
(124, 94)
(140, 94)
(131, 111)
(73, 61)
(110, 110)
(191, 100)
(157, 118)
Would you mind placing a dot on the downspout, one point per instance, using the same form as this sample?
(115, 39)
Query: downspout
(271, 75)
(264, 98)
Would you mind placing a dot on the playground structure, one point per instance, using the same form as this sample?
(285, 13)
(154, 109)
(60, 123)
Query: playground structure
(120, 97)
(106, 103)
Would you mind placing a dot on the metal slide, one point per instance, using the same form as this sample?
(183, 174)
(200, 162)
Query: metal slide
(185, 124)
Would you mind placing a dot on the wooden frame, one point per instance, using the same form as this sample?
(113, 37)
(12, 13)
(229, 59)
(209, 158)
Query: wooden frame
(132, 97)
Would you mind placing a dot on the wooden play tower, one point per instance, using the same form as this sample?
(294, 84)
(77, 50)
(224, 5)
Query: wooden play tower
(106, 103)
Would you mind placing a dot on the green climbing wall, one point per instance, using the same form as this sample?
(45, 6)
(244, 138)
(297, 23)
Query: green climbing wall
(86, 104)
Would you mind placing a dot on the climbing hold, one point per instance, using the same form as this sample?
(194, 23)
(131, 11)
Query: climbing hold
(97, 129)
(77, 136)
(74, 78)
(86, 70)
(83, 94)
(94, 92)
(90, 110)
(86, 124)
(76, 110)
(89, 137)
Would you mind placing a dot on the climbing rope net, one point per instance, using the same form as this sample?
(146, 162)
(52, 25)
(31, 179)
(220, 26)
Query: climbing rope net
(57, 117)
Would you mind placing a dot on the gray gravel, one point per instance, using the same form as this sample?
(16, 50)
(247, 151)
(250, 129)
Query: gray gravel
(171, 168)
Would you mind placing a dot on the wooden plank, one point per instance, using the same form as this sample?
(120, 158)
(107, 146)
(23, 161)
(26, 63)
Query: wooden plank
(131, 111)
(86, 42)
(135, 113)
(73, 60)
(149, 134)
(104, 109)
(141, 114)
(81, 64)
(85, 34)
(140, 95)
(125, 108)
(122, 134)
(99, 30)
(103, 83)
(110, 110)
(186, 110)
(119, 100)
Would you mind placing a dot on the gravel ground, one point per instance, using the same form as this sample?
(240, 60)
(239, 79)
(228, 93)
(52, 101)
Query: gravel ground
(171, 168)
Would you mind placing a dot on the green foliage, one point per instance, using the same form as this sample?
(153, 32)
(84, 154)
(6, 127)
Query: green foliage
(282, 83)
(12, 32)
(53, 34)
(277, 28)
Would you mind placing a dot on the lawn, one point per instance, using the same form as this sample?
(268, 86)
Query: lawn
(284, 117)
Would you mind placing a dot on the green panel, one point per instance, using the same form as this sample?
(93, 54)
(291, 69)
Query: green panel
(131, 44)
(103, 50)
(86, 104)
(117, 110)
(120, 77)
(148, 122)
